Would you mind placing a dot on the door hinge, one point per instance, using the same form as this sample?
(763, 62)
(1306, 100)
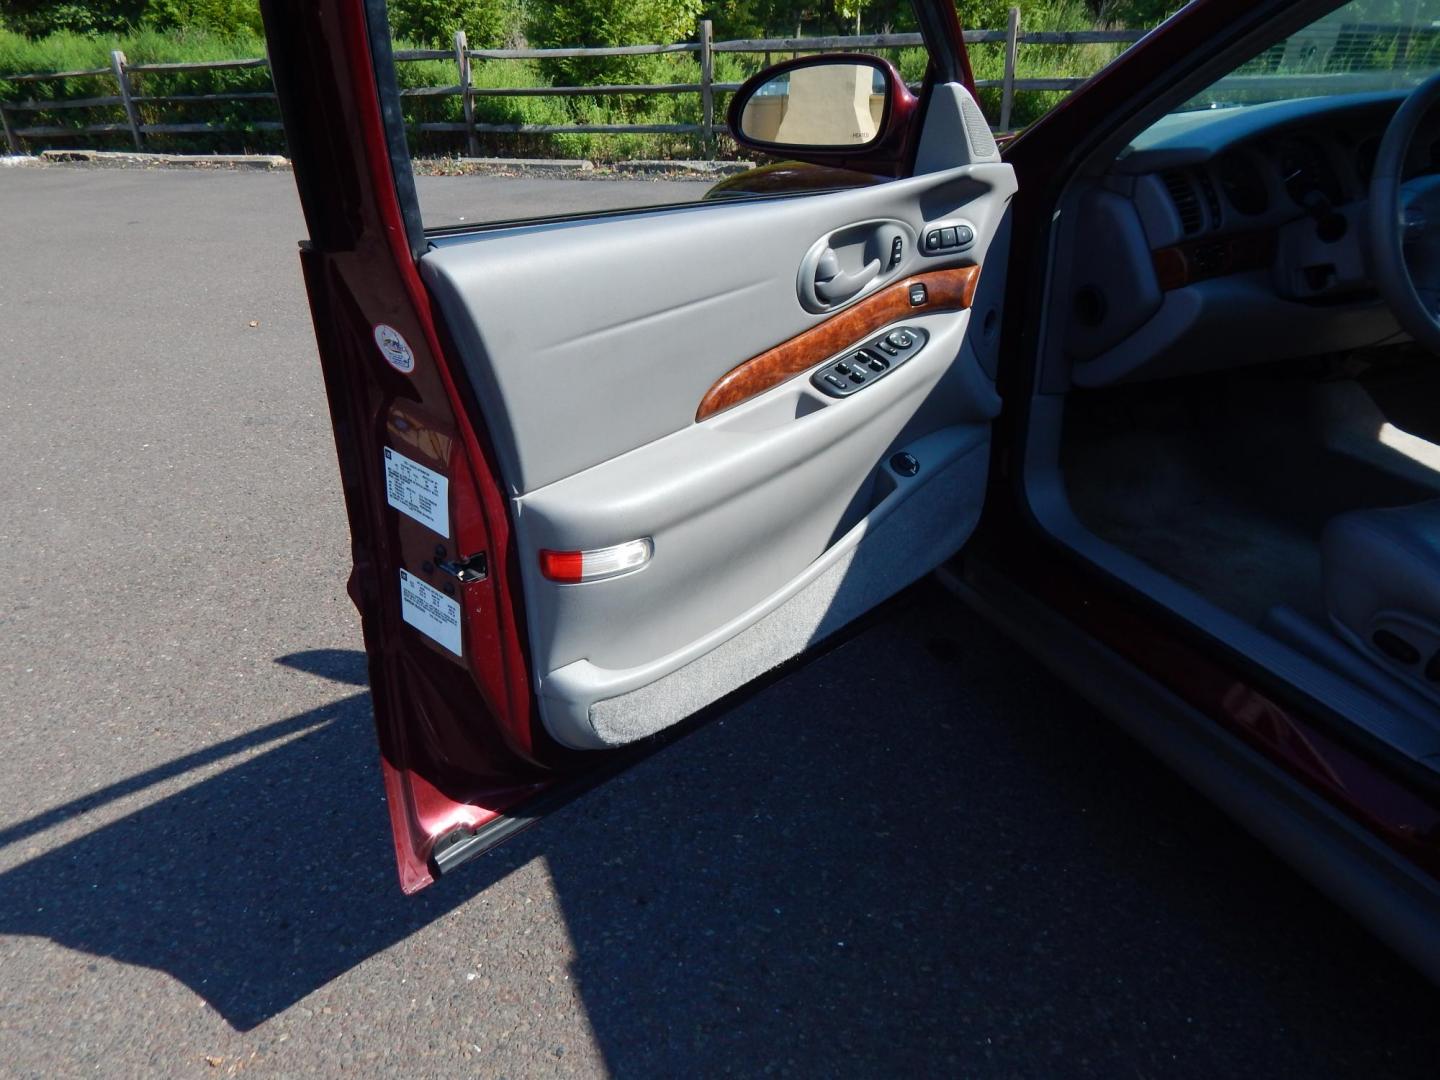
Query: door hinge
(466, 570)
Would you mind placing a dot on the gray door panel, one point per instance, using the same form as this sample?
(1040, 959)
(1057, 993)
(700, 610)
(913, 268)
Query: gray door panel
(590, 346)
(588, 339)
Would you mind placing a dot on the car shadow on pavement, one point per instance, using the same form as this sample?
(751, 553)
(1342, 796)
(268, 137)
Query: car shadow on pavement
(948, 866)
(254, 886)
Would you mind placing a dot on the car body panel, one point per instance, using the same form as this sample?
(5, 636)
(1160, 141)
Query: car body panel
(467, 642)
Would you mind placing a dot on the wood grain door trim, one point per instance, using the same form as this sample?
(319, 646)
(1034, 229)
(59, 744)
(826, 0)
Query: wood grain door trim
(945, 290)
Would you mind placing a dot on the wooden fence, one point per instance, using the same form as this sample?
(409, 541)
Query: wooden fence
(705, 49)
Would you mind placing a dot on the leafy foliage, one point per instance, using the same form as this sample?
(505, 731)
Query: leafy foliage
(486, 23)
(560, 23)
(79, 34)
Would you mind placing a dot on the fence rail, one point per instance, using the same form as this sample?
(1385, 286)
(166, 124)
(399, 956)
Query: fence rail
(705, 49)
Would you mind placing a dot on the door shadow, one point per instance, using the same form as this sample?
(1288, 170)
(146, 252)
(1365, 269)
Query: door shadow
(254, 887)
(915, 855)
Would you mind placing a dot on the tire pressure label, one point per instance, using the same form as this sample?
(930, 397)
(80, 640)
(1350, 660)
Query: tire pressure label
(430, 611)
(421, 493)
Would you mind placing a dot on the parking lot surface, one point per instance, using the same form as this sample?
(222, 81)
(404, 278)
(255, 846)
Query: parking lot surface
(939, 862)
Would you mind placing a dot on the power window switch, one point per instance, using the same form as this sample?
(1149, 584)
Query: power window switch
(836, 382)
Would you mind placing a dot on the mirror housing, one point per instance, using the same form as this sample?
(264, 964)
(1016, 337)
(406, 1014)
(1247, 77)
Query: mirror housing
(846, 110)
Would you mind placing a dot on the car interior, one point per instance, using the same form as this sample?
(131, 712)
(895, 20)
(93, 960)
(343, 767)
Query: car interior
(1230, 416)
(694, 456)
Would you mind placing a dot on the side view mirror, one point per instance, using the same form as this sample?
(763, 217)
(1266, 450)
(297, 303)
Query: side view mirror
(832, 109)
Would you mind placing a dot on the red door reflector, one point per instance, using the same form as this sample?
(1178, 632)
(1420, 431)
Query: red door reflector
(573, 567)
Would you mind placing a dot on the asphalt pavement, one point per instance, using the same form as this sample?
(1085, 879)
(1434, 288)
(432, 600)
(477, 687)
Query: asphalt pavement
(937, 861)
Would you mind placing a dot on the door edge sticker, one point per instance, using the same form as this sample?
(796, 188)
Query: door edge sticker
(394, 348)
(417, 492)
(430, 611)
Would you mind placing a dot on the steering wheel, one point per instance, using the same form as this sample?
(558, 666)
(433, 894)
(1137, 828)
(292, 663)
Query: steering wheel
(1404, 225)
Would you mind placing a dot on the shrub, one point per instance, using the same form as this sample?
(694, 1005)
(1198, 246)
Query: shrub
(434, 22)
(589, 23)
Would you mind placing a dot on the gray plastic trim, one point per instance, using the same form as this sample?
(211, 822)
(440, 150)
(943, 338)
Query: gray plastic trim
(614, 328)
(590, 707)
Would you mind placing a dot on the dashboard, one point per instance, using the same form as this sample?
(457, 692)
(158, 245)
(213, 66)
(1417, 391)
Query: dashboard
(1233, 236)
(1270, 163)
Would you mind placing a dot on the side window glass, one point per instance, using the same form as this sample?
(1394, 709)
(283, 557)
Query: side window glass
(546, 108)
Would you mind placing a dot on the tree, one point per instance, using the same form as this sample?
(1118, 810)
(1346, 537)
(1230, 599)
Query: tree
(222, 17)
(591, 23)
(434, 22)
(36, 18)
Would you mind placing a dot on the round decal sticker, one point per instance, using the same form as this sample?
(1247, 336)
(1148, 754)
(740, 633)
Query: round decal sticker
(395, 348)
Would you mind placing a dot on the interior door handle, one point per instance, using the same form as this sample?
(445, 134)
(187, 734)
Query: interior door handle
(835, 286)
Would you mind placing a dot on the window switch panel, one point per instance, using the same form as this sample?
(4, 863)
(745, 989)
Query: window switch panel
(863, 365)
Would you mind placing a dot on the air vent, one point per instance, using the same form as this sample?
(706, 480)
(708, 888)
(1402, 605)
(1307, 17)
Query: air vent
(1187, 204)
(1212, 197)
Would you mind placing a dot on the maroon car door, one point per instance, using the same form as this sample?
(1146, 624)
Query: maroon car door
(602, 471)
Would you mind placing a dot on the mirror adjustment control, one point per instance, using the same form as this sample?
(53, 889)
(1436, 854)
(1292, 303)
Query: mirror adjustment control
(868, 363)
(946, 238)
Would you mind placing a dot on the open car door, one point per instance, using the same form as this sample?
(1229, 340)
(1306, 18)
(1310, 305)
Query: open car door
(603, 471)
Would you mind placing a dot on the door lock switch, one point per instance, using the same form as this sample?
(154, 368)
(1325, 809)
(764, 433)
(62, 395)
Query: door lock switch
(897, 252)
(862, 366)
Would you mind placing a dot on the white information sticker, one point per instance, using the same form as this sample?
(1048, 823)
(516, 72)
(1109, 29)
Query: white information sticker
(394, 348)
(430, 611)
(413, 489)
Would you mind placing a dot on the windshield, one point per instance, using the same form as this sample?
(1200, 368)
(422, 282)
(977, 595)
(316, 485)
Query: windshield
(1364, 45)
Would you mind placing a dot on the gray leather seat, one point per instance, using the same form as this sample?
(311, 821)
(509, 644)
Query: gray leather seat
(1382, 587)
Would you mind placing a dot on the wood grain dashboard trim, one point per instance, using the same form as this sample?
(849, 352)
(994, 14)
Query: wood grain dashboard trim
(946, 290)
(1200, 260)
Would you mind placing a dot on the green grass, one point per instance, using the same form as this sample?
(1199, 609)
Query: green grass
(1041, 61)
(72, 51)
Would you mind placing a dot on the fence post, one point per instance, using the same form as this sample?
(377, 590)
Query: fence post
(467, 99)
(11, 139)
(707, 85)
(117, 65)
(1012, 53)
